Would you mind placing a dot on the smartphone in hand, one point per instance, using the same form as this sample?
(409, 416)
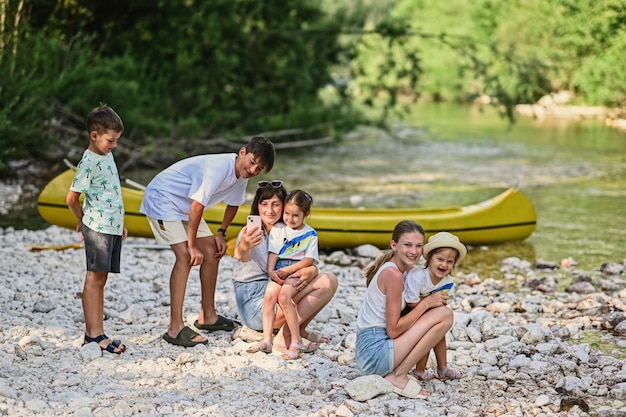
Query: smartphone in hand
(254, 221)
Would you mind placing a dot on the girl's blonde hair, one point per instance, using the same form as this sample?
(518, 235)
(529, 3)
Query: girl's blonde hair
(405, 226)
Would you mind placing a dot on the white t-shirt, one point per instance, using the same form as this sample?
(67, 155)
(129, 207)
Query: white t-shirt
(293, 244)
(207, 179)
(374, 307)
(417, 284)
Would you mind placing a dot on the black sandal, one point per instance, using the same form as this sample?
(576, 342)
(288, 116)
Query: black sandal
(111, 347)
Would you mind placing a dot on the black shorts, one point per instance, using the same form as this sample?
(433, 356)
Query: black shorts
(102, 251)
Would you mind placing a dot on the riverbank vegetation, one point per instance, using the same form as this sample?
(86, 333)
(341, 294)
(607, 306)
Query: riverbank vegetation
(208, 73)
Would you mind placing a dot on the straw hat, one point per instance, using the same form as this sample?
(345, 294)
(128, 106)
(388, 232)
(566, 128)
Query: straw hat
(445, 240)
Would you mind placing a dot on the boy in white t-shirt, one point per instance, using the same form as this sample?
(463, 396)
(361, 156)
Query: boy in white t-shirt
(442, 253)
(174, 202)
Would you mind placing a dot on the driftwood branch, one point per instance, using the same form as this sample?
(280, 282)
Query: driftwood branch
(161, 152)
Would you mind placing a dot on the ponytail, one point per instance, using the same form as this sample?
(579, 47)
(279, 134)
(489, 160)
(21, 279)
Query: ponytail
(373, 267)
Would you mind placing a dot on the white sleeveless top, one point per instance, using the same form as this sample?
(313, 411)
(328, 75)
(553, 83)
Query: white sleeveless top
(373, 309)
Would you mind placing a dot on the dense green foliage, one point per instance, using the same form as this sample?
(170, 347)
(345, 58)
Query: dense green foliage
(182, 69)
(514, 51)
(194, 69)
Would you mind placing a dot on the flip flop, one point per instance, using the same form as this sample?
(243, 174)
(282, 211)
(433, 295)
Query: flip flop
(316, 337)
(222, 323)
(184, 338)
(411, 390)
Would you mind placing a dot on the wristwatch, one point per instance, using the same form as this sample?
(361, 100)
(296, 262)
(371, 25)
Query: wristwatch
(222, 230)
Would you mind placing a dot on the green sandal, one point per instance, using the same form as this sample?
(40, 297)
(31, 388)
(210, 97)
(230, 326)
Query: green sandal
(222, 323)
(184, 338)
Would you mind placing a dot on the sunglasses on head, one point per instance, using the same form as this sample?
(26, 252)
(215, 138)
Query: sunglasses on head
(273, 184)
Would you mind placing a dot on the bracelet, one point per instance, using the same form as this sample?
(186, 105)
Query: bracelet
(222, 231)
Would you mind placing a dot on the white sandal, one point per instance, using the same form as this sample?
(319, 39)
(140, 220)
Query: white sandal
(449, 373)
(293, 352)
(425, 375)
(264, 346)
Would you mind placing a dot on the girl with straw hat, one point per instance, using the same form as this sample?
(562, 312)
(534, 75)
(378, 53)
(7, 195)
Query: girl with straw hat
(442, 253)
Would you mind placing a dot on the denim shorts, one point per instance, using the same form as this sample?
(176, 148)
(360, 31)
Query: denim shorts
(249, 296)
(374, 351)
(103, 251)
(281, 263)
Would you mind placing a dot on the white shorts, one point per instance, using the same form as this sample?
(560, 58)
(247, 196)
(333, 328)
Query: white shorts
(170, 232)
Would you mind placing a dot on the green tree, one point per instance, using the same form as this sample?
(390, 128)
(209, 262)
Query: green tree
(183, 69)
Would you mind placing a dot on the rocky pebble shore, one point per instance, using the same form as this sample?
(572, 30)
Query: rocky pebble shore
(523, 340)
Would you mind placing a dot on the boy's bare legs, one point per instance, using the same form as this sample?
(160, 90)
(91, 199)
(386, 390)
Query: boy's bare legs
(309, 301)
(178, 286)
(93, 303)
(93, 306)
(208, 280)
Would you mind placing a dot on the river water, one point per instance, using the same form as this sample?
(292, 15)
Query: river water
(574, 172)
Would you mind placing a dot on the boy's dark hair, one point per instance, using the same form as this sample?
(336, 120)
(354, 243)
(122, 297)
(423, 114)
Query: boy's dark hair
(263, 149)
(103, 118)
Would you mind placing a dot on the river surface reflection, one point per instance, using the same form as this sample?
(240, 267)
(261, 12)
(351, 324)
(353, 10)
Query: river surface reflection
(446, 155)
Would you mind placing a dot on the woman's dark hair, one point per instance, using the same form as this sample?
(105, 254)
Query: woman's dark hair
(265, 193)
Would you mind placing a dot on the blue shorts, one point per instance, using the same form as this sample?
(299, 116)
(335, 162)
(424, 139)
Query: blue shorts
(374, 351)
(281, 263)
(249, 296)
(103, 251)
